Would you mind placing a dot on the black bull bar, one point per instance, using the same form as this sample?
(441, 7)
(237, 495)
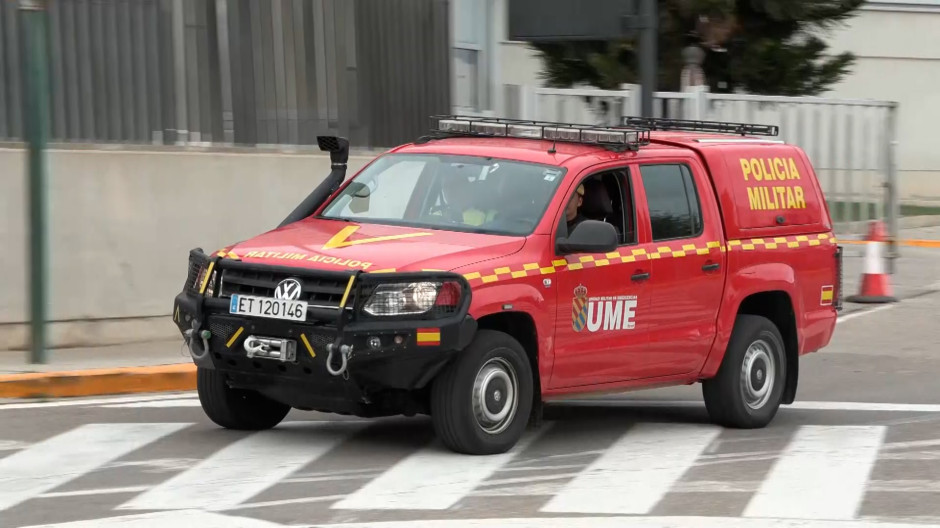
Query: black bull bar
(192, 307)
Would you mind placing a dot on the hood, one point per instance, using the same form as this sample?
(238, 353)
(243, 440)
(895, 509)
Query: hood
(339, 245)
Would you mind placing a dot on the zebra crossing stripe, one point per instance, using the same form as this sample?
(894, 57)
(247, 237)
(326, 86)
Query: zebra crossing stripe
(245, 468)
(433, 478)
(177, 519)
(60, 459)
(620, 522)
(821, 475)
(634, 474)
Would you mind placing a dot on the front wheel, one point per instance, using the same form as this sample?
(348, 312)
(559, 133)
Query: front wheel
(236, 408)
(748, 388)
(480, 403)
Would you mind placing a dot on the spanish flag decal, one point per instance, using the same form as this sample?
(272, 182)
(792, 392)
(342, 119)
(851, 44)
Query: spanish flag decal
(429, 336)
(825, 298)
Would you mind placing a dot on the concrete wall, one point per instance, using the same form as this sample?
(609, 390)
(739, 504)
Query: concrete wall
(898, 59)
(122, 223)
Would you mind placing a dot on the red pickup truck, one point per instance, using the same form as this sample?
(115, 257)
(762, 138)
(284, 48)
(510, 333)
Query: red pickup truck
(495, 264)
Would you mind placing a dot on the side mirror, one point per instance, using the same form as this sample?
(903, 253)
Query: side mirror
(590, 236)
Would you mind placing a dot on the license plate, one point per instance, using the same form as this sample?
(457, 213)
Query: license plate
(268, 307)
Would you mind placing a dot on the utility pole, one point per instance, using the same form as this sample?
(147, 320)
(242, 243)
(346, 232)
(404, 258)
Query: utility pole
(649, 29)
(33, 16)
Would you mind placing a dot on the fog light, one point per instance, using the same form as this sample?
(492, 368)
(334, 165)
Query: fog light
(399, 340)
(375, 343)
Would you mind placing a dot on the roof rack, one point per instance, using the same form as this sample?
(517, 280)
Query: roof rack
(615, 138)
(661, 123)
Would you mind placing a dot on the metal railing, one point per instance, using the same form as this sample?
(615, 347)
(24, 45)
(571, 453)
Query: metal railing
(850, 142)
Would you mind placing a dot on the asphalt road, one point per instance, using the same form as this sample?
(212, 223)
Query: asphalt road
(860, 448)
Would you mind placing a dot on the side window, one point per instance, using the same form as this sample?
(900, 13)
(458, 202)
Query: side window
(672, 200)
(602, 200)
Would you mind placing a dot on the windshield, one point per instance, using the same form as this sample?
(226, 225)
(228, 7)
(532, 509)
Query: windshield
(463, 193)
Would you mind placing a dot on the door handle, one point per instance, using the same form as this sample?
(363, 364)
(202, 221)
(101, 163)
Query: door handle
(711, 267)
(640, 276)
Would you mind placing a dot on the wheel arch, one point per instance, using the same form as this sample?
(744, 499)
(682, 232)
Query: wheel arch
(521, 327)
(777, 305)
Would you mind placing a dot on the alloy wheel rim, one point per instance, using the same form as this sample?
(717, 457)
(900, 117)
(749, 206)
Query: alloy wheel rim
(495, 396)
(758, 374)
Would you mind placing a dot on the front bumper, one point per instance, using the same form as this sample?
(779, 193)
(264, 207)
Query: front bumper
(382, 354)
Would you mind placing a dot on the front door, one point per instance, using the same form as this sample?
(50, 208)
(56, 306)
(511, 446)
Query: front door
(602, 319)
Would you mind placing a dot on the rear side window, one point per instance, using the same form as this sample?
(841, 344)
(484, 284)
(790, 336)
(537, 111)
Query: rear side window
(672, 200)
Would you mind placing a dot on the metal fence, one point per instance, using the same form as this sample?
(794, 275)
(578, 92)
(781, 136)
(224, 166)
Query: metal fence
(851, 143)
(252, 72)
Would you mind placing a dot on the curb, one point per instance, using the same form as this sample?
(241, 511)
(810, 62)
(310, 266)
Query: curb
(124, 380)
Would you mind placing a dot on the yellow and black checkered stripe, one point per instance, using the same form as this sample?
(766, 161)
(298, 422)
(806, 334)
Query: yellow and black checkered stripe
(640, 254)
(631, 255)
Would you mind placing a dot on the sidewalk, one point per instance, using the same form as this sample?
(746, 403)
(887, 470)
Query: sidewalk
(166, 366)
(119, 369)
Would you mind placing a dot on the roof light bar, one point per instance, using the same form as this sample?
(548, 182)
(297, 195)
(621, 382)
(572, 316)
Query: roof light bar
(617, 137)
(662, 123)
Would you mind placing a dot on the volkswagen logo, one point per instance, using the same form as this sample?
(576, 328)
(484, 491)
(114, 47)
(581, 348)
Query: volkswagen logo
(288, 290)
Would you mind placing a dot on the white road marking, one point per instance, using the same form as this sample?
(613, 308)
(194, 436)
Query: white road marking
(805, 406)
(12, 445)
(96, 491)
(178, 519)
(821, 474)
(853, 315)
(433, 478)
(187, 402)
(620, 522)
(285, 502)
(60, 459)
(243, 469)
(636, 472)
(71, 402)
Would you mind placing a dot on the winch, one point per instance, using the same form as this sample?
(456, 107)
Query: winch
(271, 348)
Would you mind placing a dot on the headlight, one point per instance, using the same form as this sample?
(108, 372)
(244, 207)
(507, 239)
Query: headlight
(402, 299)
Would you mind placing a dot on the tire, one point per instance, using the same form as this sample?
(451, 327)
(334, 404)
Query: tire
(236, 408)
(756, 346)
(496, 364)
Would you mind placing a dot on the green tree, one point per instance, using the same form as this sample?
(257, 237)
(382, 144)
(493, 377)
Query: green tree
(758, 46)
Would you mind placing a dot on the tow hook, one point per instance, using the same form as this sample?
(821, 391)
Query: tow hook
(191, 341)
(344, 353)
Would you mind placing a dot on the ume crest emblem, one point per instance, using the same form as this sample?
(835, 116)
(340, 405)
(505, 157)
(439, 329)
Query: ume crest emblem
(579, 308)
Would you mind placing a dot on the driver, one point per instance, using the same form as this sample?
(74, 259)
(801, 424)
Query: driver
(572, 212)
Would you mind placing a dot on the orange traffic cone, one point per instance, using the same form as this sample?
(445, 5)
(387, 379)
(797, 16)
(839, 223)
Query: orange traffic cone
(875, 286)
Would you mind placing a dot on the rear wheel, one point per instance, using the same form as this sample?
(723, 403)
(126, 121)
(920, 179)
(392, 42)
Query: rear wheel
(748, 388)
(236, 408)
(480, 403)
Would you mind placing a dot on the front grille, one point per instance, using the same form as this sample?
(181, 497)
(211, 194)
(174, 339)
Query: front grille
(317, 291)
(223, 328)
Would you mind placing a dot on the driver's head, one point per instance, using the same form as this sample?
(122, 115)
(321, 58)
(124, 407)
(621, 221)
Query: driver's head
(572, 210)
